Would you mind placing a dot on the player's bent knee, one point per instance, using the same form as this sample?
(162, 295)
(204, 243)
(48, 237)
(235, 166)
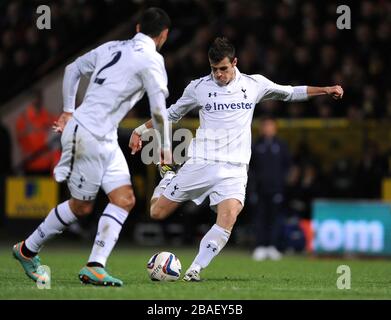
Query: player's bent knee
(127, 202)
(131, 202)
(123, 197)
(81, 208)
(157, 212)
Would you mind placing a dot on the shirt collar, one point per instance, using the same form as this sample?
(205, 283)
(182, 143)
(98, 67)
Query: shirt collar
(146, 39)
(233, 81)
(237, 77)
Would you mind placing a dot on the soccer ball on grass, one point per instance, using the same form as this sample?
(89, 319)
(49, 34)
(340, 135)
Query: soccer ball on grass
(164, 266)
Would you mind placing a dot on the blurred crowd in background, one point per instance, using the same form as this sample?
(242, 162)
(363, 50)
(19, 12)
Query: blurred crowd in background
(291, 42)
(28, 53)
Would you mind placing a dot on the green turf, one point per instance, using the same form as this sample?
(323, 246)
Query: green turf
(232, 275)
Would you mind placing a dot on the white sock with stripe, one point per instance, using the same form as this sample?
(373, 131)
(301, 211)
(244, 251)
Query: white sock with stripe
(210, 246)
(58, 219)
(109, 228)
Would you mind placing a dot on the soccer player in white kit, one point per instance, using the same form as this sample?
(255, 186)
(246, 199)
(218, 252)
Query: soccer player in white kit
(219, 154)
(120, 72)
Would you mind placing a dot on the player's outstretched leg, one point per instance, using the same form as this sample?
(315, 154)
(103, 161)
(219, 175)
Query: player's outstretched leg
(215, 239)
(122, 201)
(210, 246)
(26, 251)
(29, 264)
(98, 276)
(109, 227)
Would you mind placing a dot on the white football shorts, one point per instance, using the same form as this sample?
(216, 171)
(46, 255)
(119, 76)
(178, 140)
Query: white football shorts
(88, 163)
(218, 180)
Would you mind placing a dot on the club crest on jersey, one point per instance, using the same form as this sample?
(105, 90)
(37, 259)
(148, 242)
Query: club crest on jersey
(244, 93)
(175, 189)
(208, 107)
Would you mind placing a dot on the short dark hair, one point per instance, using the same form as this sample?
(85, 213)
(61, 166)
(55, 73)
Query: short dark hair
(153, 21)
(221, 48)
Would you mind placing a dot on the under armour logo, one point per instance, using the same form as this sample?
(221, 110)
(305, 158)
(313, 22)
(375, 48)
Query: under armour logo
(214, 94)
(213, 248)
(244, 93)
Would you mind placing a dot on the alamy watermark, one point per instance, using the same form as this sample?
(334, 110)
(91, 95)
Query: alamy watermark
(344, 280)
(44, 21)
(209, 144)
(344, 21)
(44, 281)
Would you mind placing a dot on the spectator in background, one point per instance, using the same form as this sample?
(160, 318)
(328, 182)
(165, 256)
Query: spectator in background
(269, 166)
(299, 37)
(33, 126)
(305, 183)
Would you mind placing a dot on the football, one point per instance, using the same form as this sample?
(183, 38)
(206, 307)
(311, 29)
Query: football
(164, 266)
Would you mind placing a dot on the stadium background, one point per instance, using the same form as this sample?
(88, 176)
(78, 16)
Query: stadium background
(346, 143)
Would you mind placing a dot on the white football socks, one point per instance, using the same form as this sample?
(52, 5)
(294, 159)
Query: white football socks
(58, 219)
(211, 244)
(163, 184)
(109, 228)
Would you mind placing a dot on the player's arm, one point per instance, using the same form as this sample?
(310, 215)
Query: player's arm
(82, 66)
(160, 122)
(273, 91)
(335, 91)
(176, 111)
(154, 80)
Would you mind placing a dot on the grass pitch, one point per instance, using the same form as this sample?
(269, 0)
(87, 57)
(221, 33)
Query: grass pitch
(232, 275)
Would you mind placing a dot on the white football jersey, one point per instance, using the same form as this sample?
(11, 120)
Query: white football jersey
(225, 114)
(120, 72)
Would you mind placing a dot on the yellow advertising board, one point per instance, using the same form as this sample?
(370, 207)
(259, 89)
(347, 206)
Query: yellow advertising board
(30, 197)
(386, 189)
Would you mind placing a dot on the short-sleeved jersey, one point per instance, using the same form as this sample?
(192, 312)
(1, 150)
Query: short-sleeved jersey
(120, 72)
(225, 114)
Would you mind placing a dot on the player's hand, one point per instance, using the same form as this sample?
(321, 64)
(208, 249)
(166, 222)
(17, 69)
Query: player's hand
(335, 91)
(59, 125)
(135, 142)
